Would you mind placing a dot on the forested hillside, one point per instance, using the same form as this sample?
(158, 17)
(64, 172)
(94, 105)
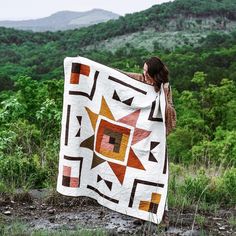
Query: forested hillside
(41, 57)
(203, 77)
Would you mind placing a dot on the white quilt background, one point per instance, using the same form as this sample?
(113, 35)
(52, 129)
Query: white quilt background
(139, 189)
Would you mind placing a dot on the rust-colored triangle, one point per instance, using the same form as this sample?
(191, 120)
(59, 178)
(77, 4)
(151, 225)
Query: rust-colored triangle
(133, 161)
(96, 161)
(119, 171)
(105, 110)
(93, 117)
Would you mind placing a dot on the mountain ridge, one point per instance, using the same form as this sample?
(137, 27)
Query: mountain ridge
(168, 25)
(62, 20)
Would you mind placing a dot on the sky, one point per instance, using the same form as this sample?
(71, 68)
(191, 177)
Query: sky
(33, 9)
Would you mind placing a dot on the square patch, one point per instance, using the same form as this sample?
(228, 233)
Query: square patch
(112, 140)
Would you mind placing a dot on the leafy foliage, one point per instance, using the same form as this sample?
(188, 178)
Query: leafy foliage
(30, 131)
(204, 86)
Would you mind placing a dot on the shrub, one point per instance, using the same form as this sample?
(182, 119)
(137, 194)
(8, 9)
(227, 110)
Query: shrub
(19, 171)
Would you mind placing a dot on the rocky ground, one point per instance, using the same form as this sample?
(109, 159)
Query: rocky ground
(41, 210)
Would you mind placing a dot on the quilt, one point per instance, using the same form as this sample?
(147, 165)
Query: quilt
(113, 140)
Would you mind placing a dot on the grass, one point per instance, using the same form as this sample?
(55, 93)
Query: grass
(192, 189)
(206, 188)
(232, 221)
(200, 219)
(18, 228)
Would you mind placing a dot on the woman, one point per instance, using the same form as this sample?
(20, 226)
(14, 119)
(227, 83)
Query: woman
(156, 73)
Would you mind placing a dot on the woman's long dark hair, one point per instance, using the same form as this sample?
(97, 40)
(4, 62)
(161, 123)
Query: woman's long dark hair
(158, 71)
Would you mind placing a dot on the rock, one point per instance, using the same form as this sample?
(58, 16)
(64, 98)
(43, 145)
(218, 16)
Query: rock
(44, 207)
(51, 219)
(101, 214)
(39, 193)
(191, 233)
(32, 207)
(138, 222)
(222, 228)
(51, 211)
(7, 213)
(174, 231)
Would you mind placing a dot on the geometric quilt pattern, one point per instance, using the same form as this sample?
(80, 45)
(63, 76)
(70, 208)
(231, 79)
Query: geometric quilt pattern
(68, 180)
(151, 206)
(113, 140)
(72, 173)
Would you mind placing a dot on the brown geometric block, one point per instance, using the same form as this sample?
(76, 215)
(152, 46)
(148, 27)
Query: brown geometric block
(77, 70)
(84, 70)
(74, 78)
(141, 182)
(153, 208)
(69, 179)
(156, 197)
(112, 140)
(144, 205)
(66, 181)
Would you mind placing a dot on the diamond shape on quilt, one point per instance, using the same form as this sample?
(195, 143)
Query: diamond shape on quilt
(112, 140)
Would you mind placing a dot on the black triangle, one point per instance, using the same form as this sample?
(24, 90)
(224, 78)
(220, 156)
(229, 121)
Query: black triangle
(78, 133)
(159, 114)
(96, 161)
(79, 118)
(108, 183)
(128, 101)
(115, 96)
(88, 143)
(152, 158)
(99, 178)
(153, 144)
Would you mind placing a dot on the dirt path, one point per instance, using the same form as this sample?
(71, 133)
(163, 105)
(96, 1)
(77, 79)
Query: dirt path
(41, 210)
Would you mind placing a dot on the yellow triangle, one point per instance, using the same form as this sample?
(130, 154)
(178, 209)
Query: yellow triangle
(93, 117)
(105, 110)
